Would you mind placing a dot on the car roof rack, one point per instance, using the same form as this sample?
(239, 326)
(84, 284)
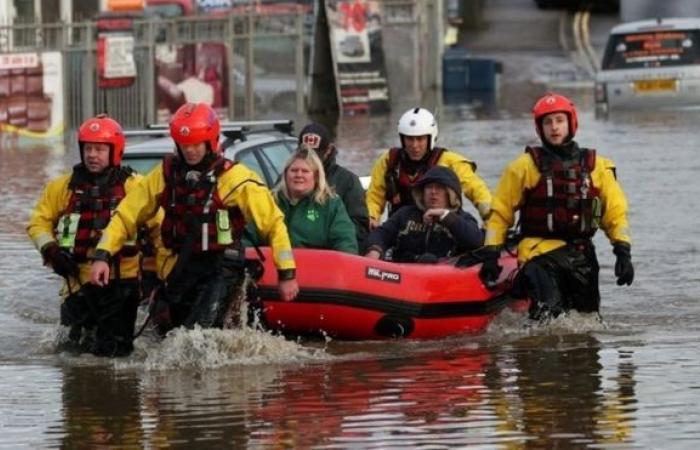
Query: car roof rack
(147, 132)
(237, 130)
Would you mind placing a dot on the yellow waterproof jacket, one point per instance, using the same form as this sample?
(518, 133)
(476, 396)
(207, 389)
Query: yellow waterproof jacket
(473, 187)
(522, 175)
(53, 205)
(238, 186)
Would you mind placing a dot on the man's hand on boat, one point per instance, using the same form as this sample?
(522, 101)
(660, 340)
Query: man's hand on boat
(490, 269)
(374, 252)
(288, 289)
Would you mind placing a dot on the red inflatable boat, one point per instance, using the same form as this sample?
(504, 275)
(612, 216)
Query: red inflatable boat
(352, 297)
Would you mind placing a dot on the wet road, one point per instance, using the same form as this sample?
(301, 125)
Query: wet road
(631, 382)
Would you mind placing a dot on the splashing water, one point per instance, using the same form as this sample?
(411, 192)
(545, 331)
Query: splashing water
(211, 348)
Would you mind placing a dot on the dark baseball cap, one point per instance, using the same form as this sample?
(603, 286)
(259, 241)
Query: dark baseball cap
(315, 136)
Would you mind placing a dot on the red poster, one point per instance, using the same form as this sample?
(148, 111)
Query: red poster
(115, 58)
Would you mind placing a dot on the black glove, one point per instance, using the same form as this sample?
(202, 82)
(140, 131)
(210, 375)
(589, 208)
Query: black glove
(624, 271)
(60, 260)
(490, 269)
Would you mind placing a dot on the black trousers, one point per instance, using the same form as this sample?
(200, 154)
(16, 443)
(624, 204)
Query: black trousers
(199, 295)
(110, 311)
(561, 280)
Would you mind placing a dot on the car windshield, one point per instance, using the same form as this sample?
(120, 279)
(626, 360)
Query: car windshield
(141, 164)
(275, 157)
(250, 161)
(652, 49)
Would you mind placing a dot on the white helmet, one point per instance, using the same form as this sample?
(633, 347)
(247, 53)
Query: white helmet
(418, 122)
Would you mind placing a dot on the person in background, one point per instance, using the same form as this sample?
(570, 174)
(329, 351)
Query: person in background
(314, 215)
(399, 168)
(207, 199)
(563, 193)
(66, 225)
(435, 227)
(345, 183)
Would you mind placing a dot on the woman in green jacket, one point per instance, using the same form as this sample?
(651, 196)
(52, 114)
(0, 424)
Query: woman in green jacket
(315, 216)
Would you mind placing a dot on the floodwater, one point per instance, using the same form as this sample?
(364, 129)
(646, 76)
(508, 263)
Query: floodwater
(630, 382)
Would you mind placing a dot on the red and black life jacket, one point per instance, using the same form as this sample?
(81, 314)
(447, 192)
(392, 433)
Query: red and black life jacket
(564, 204)
(95, 199)
(191, 206)
(398, 180)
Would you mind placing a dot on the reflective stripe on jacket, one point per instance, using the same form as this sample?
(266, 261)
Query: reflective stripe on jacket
(193, 207)
(565, 203)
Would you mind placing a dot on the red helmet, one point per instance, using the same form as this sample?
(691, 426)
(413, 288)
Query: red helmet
(551, 103)
(193, 123)
(103, 130)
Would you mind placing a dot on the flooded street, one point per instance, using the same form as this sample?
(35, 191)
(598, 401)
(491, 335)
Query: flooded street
(632, 381)
(576, 383)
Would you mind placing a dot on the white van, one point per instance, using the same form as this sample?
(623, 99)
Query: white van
(650, 63)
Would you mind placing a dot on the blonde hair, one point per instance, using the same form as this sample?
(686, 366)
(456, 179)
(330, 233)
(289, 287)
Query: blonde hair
(454, 199)
(322, 191)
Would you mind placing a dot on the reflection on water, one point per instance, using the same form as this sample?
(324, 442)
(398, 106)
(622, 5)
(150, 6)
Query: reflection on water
(101, 408)
(517, 394)
(550, 369)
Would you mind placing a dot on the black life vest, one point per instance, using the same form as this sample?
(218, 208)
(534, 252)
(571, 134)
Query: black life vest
(191, 207)
(94, 199)
(564, 204)
(398, 180)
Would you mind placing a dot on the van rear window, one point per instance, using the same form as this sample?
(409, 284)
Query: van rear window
(652, 49)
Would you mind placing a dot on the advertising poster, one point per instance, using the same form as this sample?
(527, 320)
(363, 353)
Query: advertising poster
(115, 52)
(191, 73)
(31, 94)
(356, 47)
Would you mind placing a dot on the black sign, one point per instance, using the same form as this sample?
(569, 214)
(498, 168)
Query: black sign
(382, 275)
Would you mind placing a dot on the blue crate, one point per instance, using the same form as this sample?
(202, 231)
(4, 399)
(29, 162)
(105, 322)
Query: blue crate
(455, 70)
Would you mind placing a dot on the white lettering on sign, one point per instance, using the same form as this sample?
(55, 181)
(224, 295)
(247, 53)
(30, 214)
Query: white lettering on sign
(383, 275)
(210, 5)
(19, 60)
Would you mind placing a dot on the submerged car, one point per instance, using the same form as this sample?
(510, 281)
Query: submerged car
(650, 63)
(263, 146)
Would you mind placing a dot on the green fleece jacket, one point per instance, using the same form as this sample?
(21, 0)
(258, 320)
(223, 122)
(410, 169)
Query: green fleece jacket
(311, 225)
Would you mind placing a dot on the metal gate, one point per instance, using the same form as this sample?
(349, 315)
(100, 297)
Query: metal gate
(264, 72)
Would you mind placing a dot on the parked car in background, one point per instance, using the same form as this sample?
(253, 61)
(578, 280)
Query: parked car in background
(650, 63)
(263, 146)
(611, 6)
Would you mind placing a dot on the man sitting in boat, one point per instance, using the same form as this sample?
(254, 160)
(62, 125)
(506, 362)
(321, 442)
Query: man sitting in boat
(346, 184)
(207, 199)
(399, 168)
(435, 227)
(66, 226)
(315, 216)
(563, 194)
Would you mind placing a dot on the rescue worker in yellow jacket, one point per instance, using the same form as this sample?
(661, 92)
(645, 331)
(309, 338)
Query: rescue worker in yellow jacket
(563, 193)
(207, 199)
(66, 225)
(395, 172)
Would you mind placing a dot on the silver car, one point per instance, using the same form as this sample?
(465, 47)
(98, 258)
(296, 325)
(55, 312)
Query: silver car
(650, 63)
(263, 146)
